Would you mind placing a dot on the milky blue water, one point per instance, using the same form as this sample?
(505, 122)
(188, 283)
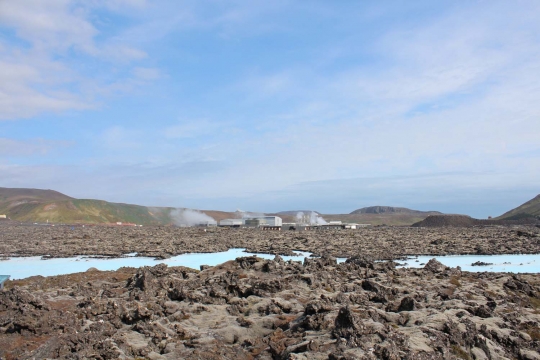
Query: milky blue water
(20, 268)
(518, 263)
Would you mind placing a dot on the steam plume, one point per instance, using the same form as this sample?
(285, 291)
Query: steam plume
(311, 218)
(189, 217)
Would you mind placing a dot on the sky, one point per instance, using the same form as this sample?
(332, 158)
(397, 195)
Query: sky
(273, 105)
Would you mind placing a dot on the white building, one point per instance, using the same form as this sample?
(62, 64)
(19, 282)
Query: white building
(265, 220)
(231, 222)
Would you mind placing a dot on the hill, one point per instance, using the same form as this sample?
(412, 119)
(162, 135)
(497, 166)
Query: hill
(383, 215)
(527, 210)
(447, 220)
(467, 221)
(34, 205)
(390, 210)
(30, 195)
(394, 219)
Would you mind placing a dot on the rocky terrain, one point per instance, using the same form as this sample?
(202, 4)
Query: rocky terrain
(163, 242)
(251, 308)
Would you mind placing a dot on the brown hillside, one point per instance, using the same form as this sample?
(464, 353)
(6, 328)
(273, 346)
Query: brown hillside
(19, 194)
(220, 215)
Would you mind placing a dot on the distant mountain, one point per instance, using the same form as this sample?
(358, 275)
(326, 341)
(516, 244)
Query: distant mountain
(528, 210)
(35, 205)
(382, 215)
(391, 210)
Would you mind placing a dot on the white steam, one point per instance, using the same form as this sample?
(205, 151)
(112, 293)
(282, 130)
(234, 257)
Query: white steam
(189, 217)
(311, 218)
(241, 214)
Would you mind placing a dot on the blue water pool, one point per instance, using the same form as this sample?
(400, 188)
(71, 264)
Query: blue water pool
(20, 268)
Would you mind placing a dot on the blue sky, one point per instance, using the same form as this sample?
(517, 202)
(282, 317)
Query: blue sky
(270, 106)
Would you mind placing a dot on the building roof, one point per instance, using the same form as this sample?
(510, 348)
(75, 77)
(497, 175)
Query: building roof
(3, 278)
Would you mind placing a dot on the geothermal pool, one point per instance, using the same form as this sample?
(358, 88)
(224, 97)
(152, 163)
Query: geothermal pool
(20, 268)
(516, 263)
(23, 267)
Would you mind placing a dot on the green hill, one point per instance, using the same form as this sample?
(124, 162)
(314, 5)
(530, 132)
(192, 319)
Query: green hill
(530, 209)
(35, 205)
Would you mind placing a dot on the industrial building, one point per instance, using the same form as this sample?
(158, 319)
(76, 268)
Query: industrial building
(297, 227)
(254, 222)
(331, 225)
(264, 220)
(231, 222)
(276, 223)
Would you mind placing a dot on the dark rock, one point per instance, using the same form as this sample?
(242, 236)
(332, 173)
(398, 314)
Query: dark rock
(407, 304)
(481, 263)
(347, 324)
(361, 261)
(435, 266)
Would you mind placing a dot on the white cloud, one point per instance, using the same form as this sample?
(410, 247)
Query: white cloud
(20, 76)
(54, 24)
(57, 62)
(11, 147)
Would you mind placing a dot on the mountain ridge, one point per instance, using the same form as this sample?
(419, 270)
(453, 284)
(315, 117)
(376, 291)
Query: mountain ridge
(378, 209)
(530, 208)
(36, 205)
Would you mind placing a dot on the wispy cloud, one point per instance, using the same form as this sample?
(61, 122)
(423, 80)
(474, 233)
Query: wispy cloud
(44, 48)
(16, 148)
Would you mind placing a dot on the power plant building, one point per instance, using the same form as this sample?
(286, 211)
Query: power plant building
(273, 221)
(231, 222)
